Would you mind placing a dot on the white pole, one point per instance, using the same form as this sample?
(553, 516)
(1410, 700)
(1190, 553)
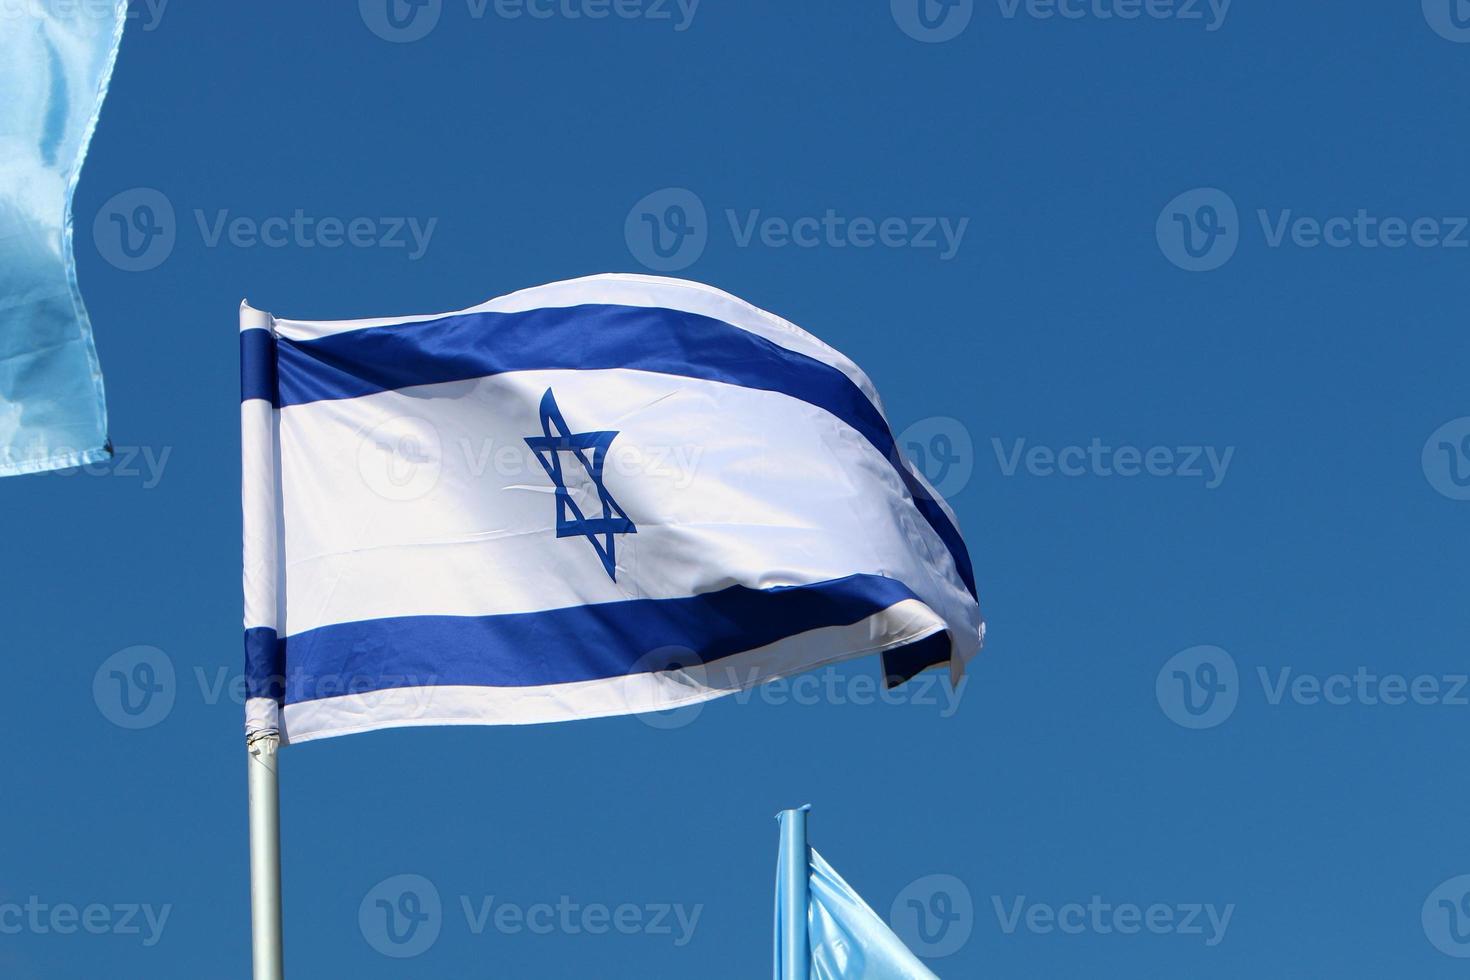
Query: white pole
(262, 712)
(265, 857)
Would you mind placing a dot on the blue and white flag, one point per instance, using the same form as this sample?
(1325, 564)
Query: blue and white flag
(612, 495)
(56, 59)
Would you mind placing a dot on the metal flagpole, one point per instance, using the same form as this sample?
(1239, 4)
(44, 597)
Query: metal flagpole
(262, 742)
(265, 856)
(796, 883)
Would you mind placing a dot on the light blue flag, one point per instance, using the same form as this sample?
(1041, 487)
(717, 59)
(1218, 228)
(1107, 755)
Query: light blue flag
(56, 59)
(845, 939)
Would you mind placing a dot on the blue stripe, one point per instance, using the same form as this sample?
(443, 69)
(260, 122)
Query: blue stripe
(258, 366)
(265, 664)
(576, 643)
(592, 337)
(902, 663)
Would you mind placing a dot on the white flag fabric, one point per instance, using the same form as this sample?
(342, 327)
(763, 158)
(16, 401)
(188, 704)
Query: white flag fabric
(611, 495)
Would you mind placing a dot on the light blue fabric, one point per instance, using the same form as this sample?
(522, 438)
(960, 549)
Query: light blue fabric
(847, 939)
(56, 59)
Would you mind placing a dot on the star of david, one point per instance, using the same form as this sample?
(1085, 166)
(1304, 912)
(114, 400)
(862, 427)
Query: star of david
(589, 449)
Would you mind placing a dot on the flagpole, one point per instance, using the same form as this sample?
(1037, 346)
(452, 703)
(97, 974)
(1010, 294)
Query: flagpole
(262, 672)
(795, 898)
(265, 856)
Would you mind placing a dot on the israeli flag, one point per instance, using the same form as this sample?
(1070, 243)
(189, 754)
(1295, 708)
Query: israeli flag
(56, 59)
(618, 494)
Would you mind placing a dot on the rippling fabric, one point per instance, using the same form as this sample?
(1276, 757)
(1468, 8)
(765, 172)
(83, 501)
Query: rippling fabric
(846, 938)
(56, 58)
(613, 495)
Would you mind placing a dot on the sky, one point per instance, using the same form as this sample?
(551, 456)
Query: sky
(1168, 296)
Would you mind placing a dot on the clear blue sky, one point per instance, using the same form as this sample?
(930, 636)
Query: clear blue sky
(1323, 540)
